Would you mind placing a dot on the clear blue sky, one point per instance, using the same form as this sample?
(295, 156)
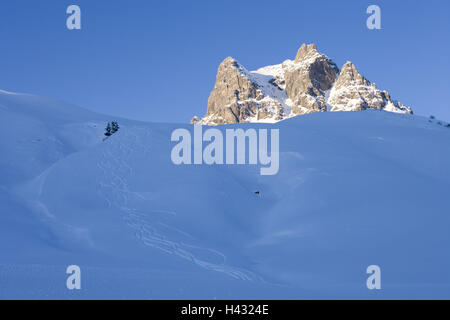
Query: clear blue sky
(157, 60)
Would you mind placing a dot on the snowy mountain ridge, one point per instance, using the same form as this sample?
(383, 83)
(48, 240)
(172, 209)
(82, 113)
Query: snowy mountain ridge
(310, 83)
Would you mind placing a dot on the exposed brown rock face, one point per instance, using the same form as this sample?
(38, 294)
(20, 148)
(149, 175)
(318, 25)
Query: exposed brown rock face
(308, 79)
(353, 92)
(232, 85)
(310, 83)
(238, 97)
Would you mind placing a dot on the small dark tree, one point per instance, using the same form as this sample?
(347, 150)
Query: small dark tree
(111, 128)
(108, 130)
(114, 127)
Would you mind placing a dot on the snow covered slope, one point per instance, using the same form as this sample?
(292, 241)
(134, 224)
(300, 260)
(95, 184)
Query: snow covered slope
(353, 189)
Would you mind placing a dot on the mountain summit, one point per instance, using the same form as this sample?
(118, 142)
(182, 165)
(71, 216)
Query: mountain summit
(310, 83)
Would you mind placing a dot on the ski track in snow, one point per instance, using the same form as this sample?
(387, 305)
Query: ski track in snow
(148, 226)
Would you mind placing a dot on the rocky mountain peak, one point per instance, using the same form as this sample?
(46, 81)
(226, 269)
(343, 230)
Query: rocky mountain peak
(350, 75)
(310, 83)
(230, 62)
(306, 51)
(353, 92)
(240, 96)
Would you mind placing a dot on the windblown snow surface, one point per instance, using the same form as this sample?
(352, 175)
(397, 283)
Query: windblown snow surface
(354, 189)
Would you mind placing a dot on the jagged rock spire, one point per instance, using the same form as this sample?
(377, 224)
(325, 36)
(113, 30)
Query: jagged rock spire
(349, 75)
(306, 50)
(310, 83)
(353, 92)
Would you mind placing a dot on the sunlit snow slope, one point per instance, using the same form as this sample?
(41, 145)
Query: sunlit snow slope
(354, 189)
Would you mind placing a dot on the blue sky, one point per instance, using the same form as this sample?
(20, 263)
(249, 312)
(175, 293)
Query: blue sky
(157, 60)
